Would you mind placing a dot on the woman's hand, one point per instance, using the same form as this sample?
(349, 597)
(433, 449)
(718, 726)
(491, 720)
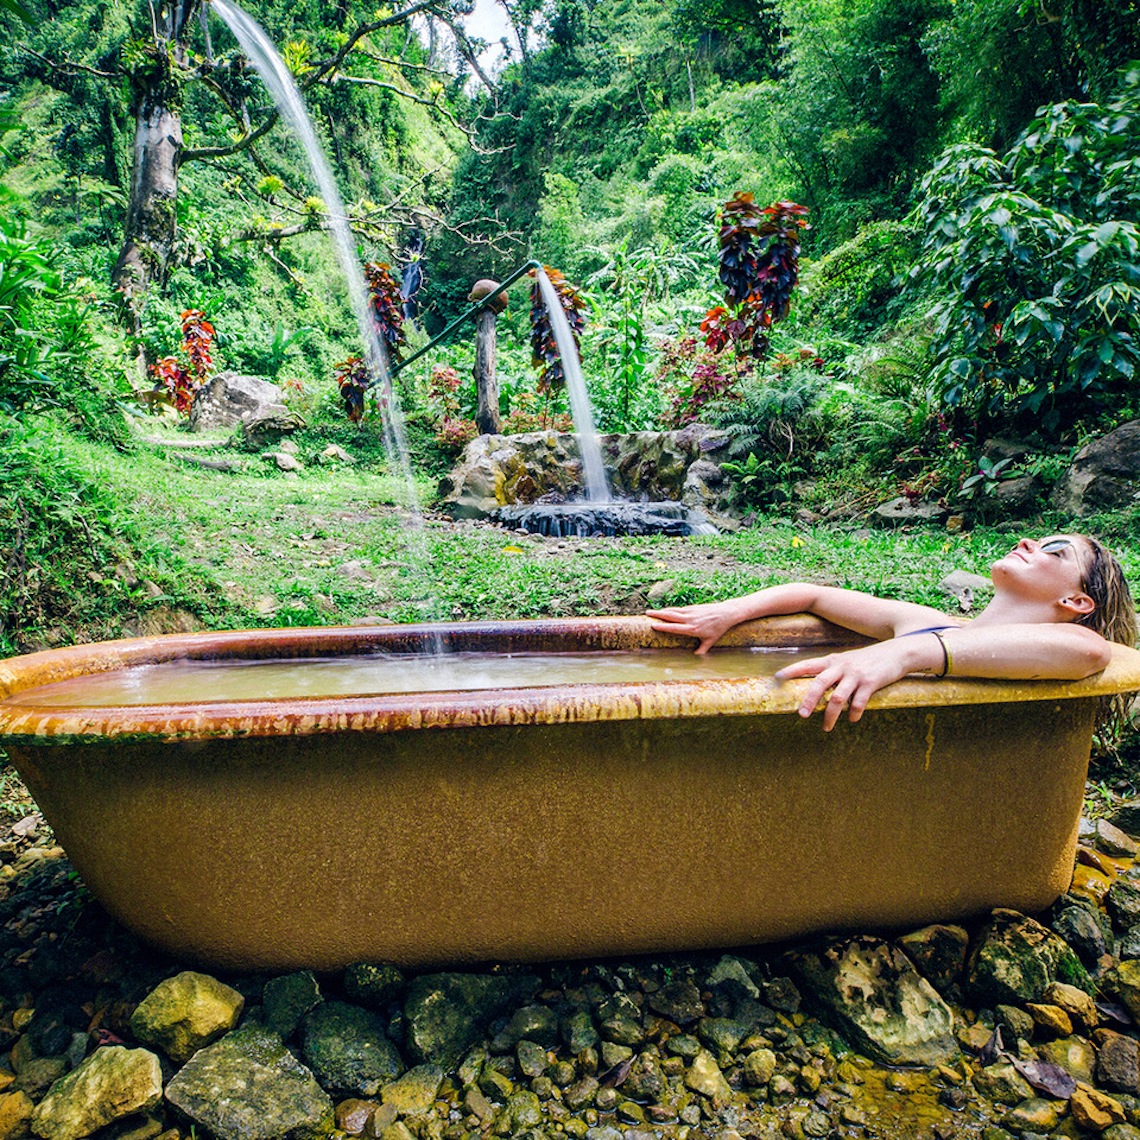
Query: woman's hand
(708, 622)
(856, 675)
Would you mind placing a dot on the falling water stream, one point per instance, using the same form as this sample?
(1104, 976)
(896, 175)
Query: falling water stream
(593, 470)
(271, 67)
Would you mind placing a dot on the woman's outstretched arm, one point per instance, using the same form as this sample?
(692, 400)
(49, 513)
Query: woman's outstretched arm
(875, 617)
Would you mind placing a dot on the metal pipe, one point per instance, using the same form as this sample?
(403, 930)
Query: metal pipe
(481, 304)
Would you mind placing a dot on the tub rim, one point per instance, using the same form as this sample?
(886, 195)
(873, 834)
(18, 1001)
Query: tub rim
(536, 705)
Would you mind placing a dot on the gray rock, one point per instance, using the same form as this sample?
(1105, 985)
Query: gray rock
(532, 1058)
(270, 1094)
(184, 1013)
(1002, 1084)
(260, 429)
(679, 1001)
(897, 512)
(1130, 943)
(578, 1032)
(1015, 958)
(284, 462)
(445, 1014)
(1111, 840)
(498, 470)
(881, 1003)
(1123, 903)
(348, 1050)
(286, 999)
(704, 1076)
(645, 1081)
(965, 587)
(372, 985)
(533, 1023)
(731, 977)
(112, 1083)
(525, 1110)
(1127, 817)
(415, 1091)
(939, 952)
(1081, 924)
(39, 1074)
(228, 398)
(721, 1035)
(1117, 1062)
(1105, 474)
(758, 1067)
(782, 995)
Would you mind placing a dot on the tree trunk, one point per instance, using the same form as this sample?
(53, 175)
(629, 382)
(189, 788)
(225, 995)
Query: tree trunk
(486, 381)
(149, 239)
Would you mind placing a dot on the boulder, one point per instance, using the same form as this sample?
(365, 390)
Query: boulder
(260, 429)
(881, 1004)
(1104, 474)
(270, 1094)
(347, 1048)
(112, 1083)
(445, 1014)
(506, 470)
(228, 399)
(184, 1013)
(1015, 958)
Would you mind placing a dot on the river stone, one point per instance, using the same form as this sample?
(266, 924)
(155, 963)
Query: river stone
(1125, 979)
(533, 1023)
(270, 1095)
(1126, 816)
(1117, 1061)
(184, 1013)
(1076, 1003)
(1073, 1054)
(704, 1076)
(721, 1034)
(939, 953)
(1094, 1110)
(286, 999)
(39, 1074)
(758, 1067)
(525, 1110)
(1014, 1022)
(532, 1058)
(645, 1081)
(679, 1001)
(1033, 1115)
(580, 1094)
(1002, 1084)
(445, 1014)
(112, 1083)
(578, 1032)
(1015, 958)
(1083, 926)
(16, 1111)
(373, 985)
(1111, 840)
(881, 1003)
(731, 977)
(1123, 904)
(348, 1050)
(782, 995)
(415, 1091)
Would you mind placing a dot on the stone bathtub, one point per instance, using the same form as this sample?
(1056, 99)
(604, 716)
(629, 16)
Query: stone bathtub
(543, 822)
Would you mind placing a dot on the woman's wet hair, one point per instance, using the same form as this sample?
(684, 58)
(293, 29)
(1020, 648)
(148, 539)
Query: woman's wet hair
(1114, 616)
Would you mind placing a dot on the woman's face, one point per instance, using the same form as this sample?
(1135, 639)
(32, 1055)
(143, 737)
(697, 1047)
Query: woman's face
(1045, 569)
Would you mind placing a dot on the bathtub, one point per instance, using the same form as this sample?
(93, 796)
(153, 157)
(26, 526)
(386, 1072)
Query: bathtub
(543, 822)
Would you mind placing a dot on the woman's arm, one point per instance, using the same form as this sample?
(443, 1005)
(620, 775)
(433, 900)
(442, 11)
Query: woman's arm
(1014, 652)
(864, 613)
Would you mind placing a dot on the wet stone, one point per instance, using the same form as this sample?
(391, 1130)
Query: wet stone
(1094, 1110)
(1014, 1022)
(375, 986)
(272, 1095)
(184, 1013)
(1123, 904)
(731, 977)
(415, 1091)
(606, 1098)
(782, 995)
(704, 1077)
(613, 1055)
(622, 1029)
(721, 1034)
(15, 1115)
(1051, 1020)
(1126, 816)
(679, 1001)
(1015, 958)
(816, 1124)
(1033, 1115)
(532, 1023)
(939, 953)
(1126, 978)
(532, 1058)
(645, 1081)
(683, 1045)
(112, 1083)
(563, 1073)
(1117, 1061)
(525, 1110)
(1079, 1006)
(348, 1050)
(578, 1032)
(1002, 1084)
(286, 999)
(1073, 1054)
(758, 1067)
(351, 1116)
(1078, 922)
(580, 1094)
(1111, 840)
(39, 1074)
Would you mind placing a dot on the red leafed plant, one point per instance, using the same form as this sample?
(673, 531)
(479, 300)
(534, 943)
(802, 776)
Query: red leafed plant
(544, 349)
(759, 268)
(387, 307)
(182, 381)
(352, 379)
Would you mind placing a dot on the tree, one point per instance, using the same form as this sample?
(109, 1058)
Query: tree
(163, 60)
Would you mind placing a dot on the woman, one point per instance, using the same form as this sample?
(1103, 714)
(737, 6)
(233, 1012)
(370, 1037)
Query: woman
(1057, 602)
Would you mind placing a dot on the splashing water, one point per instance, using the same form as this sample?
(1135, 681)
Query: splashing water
(594, 472)
(271, 67)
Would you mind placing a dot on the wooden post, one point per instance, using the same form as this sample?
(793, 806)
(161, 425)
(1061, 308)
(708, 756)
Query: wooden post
(486, 381)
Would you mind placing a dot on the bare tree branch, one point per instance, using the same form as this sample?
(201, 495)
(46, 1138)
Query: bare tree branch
(68, 66)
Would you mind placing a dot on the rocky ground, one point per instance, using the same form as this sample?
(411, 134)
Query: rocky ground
(1017, 1025)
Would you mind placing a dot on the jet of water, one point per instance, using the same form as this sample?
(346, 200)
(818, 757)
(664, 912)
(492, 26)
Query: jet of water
(597, 489)
(271, 67)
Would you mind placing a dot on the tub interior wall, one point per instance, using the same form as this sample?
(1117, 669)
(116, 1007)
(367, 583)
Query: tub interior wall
(556, 841)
